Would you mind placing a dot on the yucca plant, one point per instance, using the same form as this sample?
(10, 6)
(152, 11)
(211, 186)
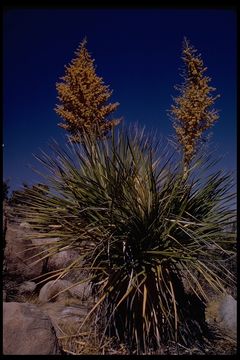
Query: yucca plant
(143, 232)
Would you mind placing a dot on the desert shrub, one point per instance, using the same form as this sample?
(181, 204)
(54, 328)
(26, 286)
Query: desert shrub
(141, 229)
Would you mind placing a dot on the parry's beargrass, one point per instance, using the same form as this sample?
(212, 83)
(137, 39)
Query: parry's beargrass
(143, 231)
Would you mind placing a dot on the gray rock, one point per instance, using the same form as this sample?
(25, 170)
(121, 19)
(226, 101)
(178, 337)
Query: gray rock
(27, 331)
(62, 259)
(19, 254)
(65, 317)
(25, 225)
(81, 291)
(27, 287)
(228, 314)
(4, 295)
(50, 291)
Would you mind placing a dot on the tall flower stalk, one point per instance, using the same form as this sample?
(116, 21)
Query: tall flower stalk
(193, 111)
(83, 98)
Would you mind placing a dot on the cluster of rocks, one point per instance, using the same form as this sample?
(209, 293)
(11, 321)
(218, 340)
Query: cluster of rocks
(33, 314)
(222, 313)
(34, 328)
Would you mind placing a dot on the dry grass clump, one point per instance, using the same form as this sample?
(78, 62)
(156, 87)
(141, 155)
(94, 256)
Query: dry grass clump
(87, 342)
(28, 298)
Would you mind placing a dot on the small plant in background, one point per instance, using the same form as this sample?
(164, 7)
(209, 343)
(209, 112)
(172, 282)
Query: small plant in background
(84, 98)
(193, 113)
(141, 230)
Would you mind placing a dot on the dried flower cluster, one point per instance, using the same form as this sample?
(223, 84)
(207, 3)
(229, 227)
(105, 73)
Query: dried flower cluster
(83, 98)
(192, 112)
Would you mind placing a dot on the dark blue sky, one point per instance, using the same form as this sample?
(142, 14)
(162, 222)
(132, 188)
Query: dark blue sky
(137, 52)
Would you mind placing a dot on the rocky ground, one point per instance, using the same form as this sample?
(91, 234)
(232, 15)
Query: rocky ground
(44, 319)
